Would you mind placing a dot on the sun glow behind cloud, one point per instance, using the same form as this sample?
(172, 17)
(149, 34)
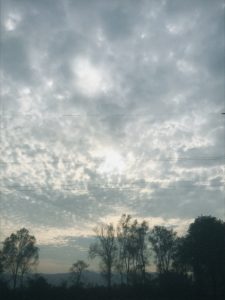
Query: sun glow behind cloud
(112, 162)
(90, 79)
(12, 21)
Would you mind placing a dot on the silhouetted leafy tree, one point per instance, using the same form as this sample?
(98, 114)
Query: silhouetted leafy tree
(142, 254)
(123, 260)
(204, 252)
(132, 249)
(180, 257)
(20, 254)
(105, 248)
(163, 242)
(77, 270)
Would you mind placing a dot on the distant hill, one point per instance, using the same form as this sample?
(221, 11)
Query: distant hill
(88, 277)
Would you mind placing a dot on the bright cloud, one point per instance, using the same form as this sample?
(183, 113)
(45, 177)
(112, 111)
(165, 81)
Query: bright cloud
(91, 80)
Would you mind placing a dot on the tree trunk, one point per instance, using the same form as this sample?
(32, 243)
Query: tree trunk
(14, 280)
(15, 277)
(109, 275)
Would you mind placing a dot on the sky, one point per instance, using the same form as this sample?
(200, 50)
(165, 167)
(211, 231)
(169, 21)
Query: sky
(109, 107)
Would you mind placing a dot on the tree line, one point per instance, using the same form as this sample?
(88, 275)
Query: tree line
(192, 265)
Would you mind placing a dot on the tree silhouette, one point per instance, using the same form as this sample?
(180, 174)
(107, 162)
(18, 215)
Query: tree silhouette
(132, 249)
(163, 242)
(105, 248)
(1, 262)
(123, 260)
(204, 248)
(180, 257)
(77, 270)
(20, 254)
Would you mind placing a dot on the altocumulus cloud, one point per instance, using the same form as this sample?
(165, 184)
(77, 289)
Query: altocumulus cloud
(109, 107)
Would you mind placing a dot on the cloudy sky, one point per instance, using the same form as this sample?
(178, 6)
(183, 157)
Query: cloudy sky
(109, 107)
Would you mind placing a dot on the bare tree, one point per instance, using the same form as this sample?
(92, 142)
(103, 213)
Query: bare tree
(77, 270)
(20, 254)
(105, 248)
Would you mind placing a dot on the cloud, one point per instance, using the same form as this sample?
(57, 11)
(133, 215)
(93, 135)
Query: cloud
(89, 79)
(110, 108)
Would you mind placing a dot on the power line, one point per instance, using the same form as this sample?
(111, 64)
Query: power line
(88, 186)
(102, 160)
